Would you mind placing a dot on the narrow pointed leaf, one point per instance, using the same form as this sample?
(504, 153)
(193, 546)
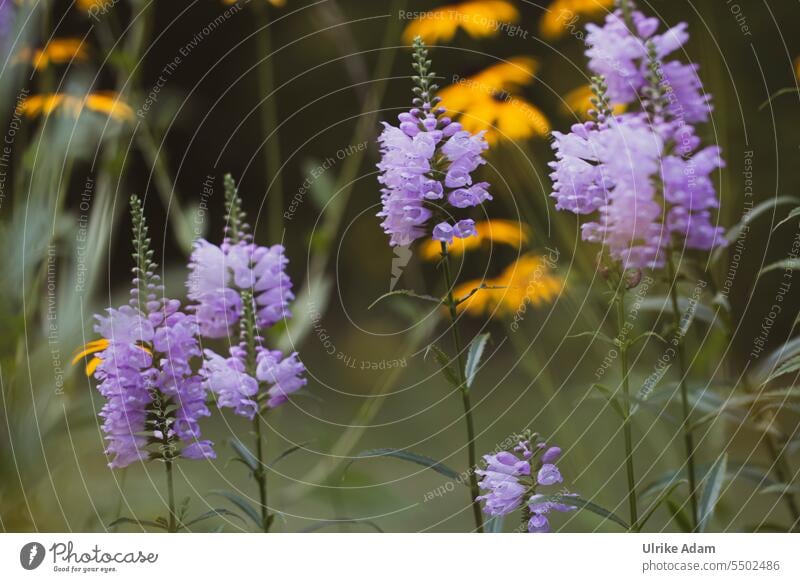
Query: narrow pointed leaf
(476, 350)
(219, 512)
(586, 505)
(405, 293)
(663, 496)
(245, 455)
(411, 457)
(333, 522)
(286, 453)
(139, 522)
(251, 511)
(711, 491)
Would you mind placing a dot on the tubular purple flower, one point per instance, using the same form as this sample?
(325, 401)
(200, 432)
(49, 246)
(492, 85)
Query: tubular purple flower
(218, 275)
(227, 379)
(284, 374)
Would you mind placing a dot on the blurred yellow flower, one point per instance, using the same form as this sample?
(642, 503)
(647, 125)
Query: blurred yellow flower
(489, 101)
(275, 3)
(497, 231)
(58, 51)
(528, 280)
(562, 16)
(106, 103)
(92, 347)
(578, 102)
(89, 5)
(478, 19)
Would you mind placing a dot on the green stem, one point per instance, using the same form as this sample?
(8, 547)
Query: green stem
(269, 120)
(173, 517)
(249, 337)
(261, 476)
(688, 439)
(473, 478)
(626, 406)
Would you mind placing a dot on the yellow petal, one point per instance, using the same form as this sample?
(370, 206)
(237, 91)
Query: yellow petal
(479, 19)
(564, 15)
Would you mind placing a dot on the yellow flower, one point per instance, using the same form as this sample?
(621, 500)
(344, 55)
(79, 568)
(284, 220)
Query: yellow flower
(89, 5)
(528, 280)
(490, 101)
(562, 15)
(92, 347)
(95, 347)
(478, 19)
(106, 103)
(497, 231)
(275, 3)
(578, 102)
(58, 51)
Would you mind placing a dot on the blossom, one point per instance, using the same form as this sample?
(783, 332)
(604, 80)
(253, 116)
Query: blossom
(501, 478)
(614, 170)
(283, 374)
(425, 159)
(142, 363)
(512, 478)
(480, 18)
(491, 101)
(618, 51)
(219, 276)
(228, 380)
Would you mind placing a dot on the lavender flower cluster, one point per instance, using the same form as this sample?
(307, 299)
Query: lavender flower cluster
(511, 479)
(151, 370)
(643, 174)
(428, 158)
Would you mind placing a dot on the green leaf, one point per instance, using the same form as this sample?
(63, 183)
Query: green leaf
(712, 489)
(662, 305)
(405, 293)
(662, 498)
(583, 504)
(139, 522)
(331, 522)
(787, 367)
(321, 186)
(286, 453)
(774, 360)
(220, 512)
(610, 396)
(594, 335)
(784, 265)
(794, 213)
(781, 489)
(679, 516)
(734, 231)
(245, 455)
(445, 363)
(476, 349)
(494, 524)
(242, 504)
(649, 334)
(413, 458)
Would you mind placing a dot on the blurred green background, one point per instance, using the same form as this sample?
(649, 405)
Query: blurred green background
(337, 68)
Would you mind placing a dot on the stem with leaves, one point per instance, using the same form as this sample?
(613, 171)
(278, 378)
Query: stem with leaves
(464, 389)
(626, 406)
(688, 439)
